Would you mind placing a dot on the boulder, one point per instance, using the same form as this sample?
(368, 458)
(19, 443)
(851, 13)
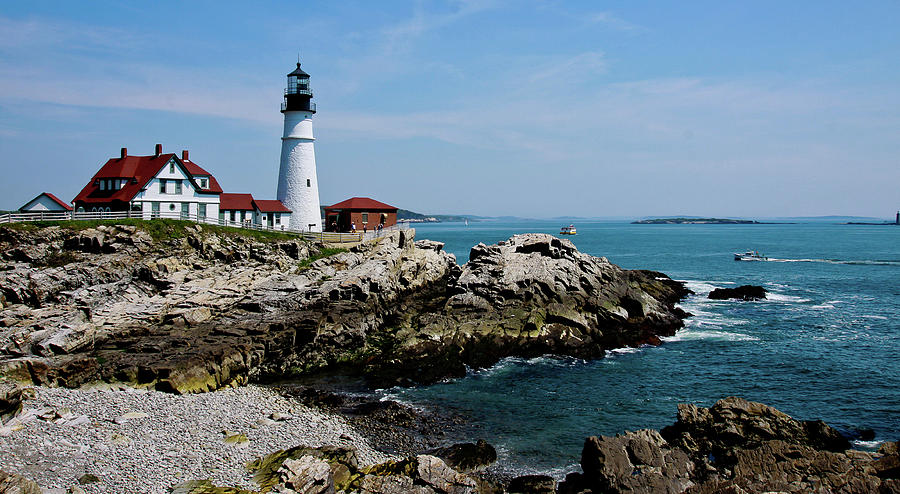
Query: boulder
(308, 475)
(743, 292)
(467, 457)
(532, 484)
(734, 446)
(11, 396)
(15, 484)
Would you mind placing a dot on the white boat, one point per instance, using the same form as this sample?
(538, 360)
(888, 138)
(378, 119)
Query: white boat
(750, 255)
(568, 230)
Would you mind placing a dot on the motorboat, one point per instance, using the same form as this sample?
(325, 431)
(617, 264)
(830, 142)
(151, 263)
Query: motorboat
(568, 230)
(750, 255)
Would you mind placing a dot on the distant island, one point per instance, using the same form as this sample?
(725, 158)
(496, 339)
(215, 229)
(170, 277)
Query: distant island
(694, 221)
(413, 217)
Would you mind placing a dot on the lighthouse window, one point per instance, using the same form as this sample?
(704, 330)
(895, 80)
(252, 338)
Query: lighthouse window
(308, 183)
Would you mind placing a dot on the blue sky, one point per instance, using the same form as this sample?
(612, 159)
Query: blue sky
(491, 107)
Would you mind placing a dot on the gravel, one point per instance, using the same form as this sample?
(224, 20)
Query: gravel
(68, 433)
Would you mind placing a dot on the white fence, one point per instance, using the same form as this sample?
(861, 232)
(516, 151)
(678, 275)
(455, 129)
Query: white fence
(325, 237)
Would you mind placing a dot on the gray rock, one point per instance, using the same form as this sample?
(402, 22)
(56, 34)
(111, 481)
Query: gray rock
(15, 484)
(308, 475)
(435, 473)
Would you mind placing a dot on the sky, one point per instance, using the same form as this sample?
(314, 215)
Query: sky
(488, 107)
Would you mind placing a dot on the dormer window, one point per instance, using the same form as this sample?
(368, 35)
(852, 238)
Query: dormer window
(103, 185)
(202, 183)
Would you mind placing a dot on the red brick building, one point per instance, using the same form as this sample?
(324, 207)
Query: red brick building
(362, 212)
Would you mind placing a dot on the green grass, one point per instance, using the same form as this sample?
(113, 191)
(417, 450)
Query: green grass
(160, 229)
(325, 252)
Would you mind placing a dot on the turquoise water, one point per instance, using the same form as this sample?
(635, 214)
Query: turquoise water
(824, 346)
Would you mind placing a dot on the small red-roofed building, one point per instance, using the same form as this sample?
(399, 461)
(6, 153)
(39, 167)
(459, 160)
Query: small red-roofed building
(361, 212)
(159, 185)
(236, 208)
(272, 213)
(240, 209)
(45, 202)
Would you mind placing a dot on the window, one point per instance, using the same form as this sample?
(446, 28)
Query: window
(162, 186)
(178, 186)
(171, 167)
(103, 185)
(277, 218)
(201, 211)
(365, 217)
(232, 216)
(172, 207)
(154, 207)
(308, 183)
(202, 183)
(185, 209)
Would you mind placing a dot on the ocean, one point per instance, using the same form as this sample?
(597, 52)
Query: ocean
(824, 345)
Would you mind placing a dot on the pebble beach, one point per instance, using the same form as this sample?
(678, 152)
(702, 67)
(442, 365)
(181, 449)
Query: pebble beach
(134, 440)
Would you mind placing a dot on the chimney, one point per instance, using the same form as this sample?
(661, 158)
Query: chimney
(158, 151)
(184, 155)
(124, 153)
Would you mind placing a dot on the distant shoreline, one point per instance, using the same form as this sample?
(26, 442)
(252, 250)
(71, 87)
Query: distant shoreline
(699, 221)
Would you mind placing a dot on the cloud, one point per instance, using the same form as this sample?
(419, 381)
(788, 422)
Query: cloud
(610, 20)
(576, 69)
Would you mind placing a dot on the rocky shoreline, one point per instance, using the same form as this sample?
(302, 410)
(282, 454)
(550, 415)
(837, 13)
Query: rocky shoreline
(198, 310)
(163, 330)
(254, 439)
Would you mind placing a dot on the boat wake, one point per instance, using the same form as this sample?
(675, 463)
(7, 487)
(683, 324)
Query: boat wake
(887, 262)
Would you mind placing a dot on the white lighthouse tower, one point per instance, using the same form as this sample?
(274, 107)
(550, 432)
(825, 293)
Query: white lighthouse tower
(298, 188)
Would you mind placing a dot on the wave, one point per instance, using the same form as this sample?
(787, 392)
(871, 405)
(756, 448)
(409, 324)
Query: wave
(868, 445)
(862, 262)
(780, 297)
(707, 334)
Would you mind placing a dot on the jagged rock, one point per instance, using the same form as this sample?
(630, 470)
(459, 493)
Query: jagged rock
(735, 446)
(532, 484)
(434, 472)
(183, 315)
(308, 475)
(467, 457)
(743, 292)
(11, 396)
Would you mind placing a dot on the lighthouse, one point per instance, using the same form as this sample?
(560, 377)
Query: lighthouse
(298, 188)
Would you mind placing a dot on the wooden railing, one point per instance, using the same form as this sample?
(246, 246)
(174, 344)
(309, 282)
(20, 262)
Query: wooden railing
(326, 237)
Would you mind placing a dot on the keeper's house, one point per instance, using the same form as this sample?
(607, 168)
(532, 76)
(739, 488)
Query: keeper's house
(45, 202)
(160, 185)
(166, 186)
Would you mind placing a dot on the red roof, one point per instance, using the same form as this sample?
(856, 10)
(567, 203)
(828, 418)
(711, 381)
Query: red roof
(137, 171)
(52, 197)
(362, 203)
(271, 206)
(235, 202)
(195, 170)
